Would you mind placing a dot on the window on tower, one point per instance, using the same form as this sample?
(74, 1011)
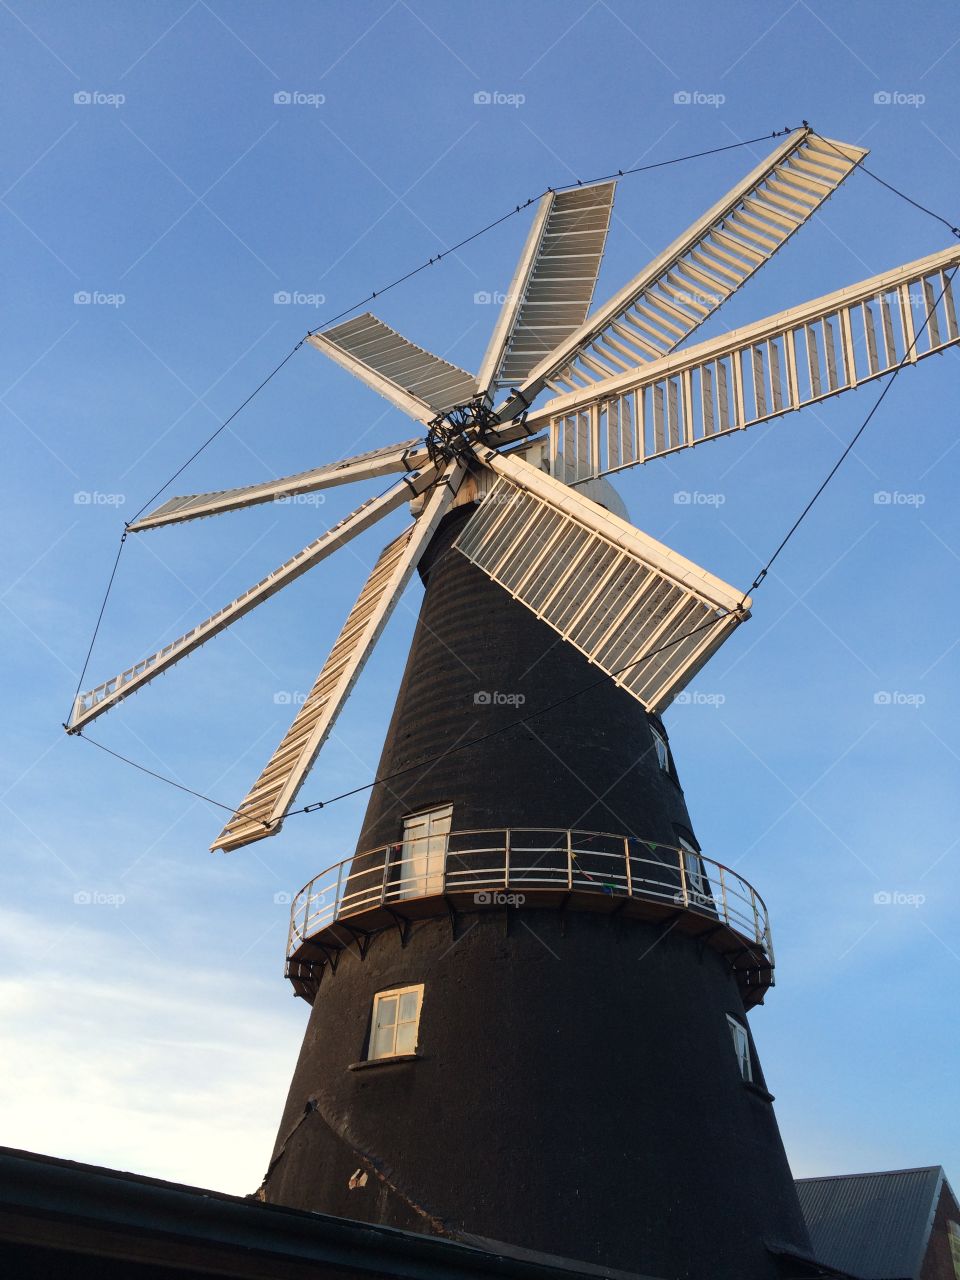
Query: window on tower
(661, 748)
(693, 867)
(741, 1046)
(396, 1022)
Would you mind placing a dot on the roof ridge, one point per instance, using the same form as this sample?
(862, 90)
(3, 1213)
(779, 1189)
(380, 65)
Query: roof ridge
(876, 1173)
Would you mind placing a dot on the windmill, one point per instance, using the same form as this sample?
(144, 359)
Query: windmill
(623, 395)
(660, 1151)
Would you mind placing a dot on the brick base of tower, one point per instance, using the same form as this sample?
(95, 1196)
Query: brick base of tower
(575, 1090)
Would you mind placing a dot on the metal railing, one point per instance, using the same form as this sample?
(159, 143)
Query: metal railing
(513, 865)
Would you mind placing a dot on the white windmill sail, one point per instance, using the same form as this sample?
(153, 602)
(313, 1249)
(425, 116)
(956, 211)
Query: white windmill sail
(676, 292)
(392, 458)
(754, 374)
(552, 288)
(275, 790)
(95, 702)
(643, 614)
(416, 381)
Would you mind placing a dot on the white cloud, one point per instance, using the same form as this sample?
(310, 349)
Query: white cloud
(115, 1058)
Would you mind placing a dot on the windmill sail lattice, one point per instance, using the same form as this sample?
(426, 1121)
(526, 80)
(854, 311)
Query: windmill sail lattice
(624, 393)
(552, 289)
(414, 380)
(275, 790)
(96, 701)
(757, 373)
(390, 459)
(671, 297)
(645, 615)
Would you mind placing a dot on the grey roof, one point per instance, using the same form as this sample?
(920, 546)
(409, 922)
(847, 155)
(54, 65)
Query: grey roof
(138, 1220)
(874, 1225)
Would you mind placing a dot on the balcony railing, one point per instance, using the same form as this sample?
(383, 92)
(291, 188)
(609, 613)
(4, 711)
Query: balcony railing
(473, 870)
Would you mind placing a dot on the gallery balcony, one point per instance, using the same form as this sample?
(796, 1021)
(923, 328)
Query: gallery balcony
(394, 886)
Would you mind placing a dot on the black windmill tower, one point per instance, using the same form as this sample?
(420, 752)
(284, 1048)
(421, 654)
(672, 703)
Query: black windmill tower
(529, 985)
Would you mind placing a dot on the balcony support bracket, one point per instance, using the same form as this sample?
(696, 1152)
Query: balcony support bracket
(402, 923)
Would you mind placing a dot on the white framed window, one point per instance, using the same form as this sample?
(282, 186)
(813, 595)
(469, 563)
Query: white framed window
(741, 1046)
(661, 748)
(423, 853)
(395, 1022)
(693, 868)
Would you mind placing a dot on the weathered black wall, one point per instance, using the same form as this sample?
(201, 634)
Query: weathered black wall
(575, 1092)
(576, 1089)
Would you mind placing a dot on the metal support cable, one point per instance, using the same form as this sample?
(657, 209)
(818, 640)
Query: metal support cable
(462, 746)
(948, 280)
(357, 305)
(310, 808)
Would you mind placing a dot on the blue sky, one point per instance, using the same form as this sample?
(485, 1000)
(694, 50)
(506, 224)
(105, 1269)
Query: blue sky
(150, 1028)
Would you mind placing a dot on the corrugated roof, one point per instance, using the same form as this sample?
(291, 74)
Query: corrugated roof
(875, 1225)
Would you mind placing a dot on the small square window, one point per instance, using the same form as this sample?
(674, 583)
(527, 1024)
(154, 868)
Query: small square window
(396, 1022)
(741, 1046)
(661, 748)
